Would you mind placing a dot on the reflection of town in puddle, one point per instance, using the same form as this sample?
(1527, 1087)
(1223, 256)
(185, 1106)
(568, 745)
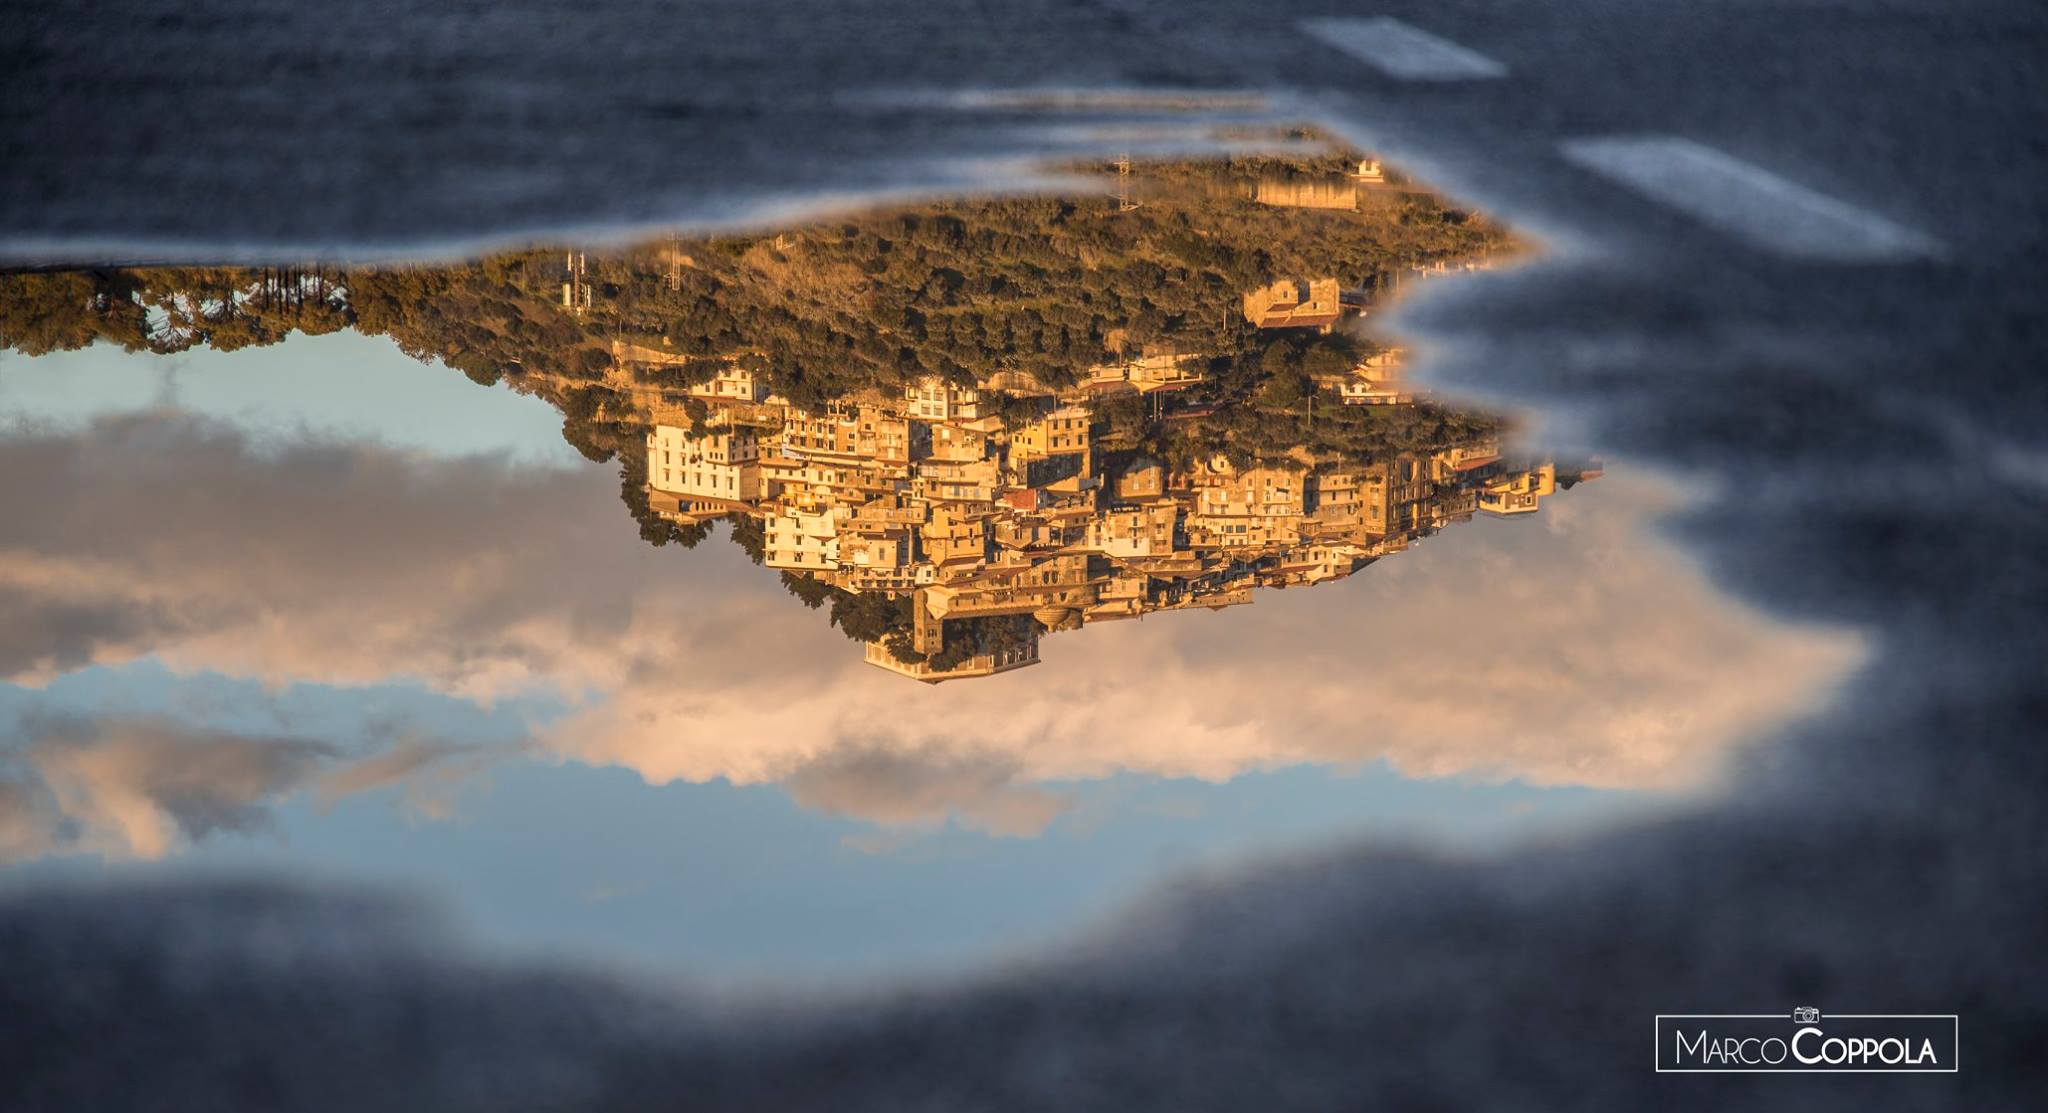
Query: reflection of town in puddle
(1069, 413)
(292, 573)
(989, 530)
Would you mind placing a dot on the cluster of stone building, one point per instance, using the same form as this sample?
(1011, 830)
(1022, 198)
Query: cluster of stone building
(929, 493)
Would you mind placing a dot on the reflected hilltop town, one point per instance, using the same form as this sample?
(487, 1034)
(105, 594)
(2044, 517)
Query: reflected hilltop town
(999, 526)
(961, 427)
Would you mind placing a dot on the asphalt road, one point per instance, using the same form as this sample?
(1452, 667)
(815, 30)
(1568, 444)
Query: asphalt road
(1797, 252)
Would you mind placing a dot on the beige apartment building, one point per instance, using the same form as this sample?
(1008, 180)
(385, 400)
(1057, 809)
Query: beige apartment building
(1063, 432)
(1518, 492)
(978, 481)
(1317, 304)
(1134, 533)
(962, 441)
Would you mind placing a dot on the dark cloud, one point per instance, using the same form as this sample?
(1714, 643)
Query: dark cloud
(138, 786)
(141, 786)
(317, 1001)
(42, 636)
(159, 532)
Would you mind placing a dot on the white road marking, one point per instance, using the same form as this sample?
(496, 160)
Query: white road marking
(1402, 51)
(1747, 201)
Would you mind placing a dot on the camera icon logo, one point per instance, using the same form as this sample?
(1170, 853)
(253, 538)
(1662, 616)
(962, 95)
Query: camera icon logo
(1806, 1014)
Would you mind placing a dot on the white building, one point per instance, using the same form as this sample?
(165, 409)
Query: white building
(719, 465)
(799, 541)
(734, 384)
(936, 399)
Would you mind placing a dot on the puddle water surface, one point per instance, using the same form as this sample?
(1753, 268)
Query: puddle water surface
(883, 589)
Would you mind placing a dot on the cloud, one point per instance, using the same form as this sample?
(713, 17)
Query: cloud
(907, 789)
(431, 772)
(1576, 648)
(140, 787)
(145, 786)
(161, 534)
(30, 825)
(47, 628)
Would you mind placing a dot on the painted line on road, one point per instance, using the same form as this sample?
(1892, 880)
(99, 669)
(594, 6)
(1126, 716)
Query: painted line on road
(1402, 51)
(1747, 201)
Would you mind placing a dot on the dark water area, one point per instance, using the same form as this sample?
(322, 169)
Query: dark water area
(1864, 439)
(264, 130)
